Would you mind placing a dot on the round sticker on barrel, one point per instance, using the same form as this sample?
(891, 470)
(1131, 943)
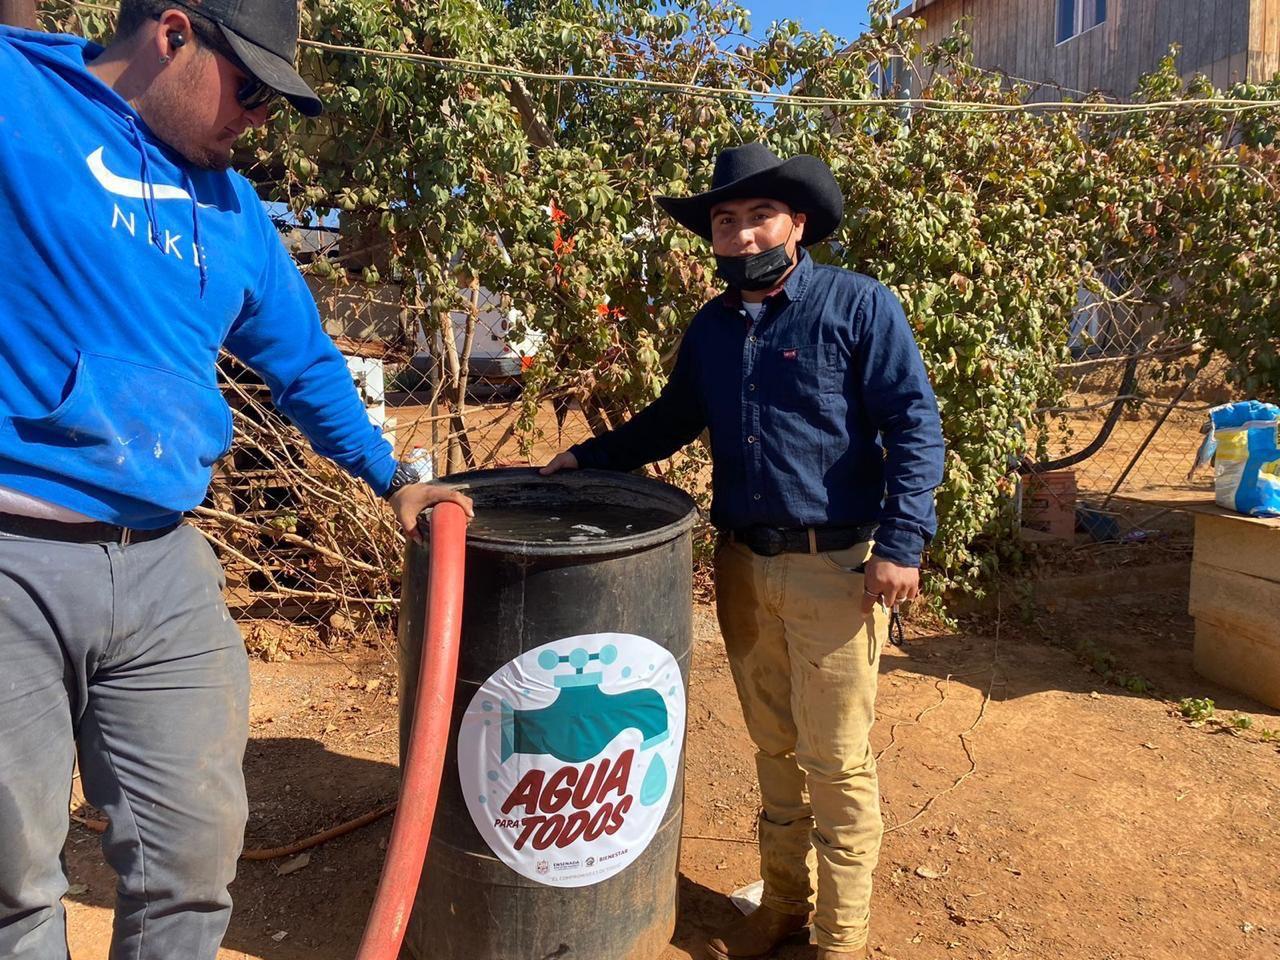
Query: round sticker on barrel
(568, 756)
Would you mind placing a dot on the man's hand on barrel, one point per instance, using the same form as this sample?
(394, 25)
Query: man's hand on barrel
(889, 583)
(409, 502)
(561, 461)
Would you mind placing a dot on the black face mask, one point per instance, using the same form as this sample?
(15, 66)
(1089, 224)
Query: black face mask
(755, 271)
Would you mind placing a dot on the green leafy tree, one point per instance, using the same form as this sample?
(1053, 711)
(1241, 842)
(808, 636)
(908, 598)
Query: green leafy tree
(986, 221)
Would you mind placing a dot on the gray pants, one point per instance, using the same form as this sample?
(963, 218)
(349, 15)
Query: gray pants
(128, 654)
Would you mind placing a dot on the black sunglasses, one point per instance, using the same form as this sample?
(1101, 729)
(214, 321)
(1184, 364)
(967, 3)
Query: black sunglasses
(254, 94)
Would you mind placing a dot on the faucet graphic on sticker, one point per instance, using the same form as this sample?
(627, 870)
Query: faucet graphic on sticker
(567, 755)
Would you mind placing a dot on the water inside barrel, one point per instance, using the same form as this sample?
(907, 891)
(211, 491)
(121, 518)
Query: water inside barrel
(552, 514)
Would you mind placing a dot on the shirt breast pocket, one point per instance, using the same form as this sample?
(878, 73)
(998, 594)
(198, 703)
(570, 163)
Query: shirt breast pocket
(804, 377)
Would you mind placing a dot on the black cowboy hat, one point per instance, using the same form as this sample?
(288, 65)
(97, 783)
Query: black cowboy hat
(804, 183)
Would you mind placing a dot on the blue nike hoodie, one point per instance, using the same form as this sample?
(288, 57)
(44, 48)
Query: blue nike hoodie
(123, 270)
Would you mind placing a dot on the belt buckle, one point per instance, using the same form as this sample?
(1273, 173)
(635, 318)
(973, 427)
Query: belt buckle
(126, 536)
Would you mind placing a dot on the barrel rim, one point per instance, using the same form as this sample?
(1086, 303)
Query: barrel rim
(658, 490)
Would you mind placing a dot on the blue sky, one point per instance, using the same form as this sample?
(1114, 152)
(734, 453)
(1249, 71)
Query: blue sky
(847, 18)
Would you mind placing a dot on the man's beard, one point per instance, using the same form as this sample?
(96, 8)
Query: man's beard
(166, 109)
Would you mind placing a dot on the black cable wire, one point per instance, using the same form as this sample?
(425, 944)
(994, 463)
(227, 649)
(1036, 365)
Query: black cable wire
(897, 635)
(1028, 466)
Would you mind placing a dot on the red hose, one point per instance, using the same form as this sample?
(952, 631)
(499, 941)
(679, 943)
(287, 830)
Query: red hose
(429, 736)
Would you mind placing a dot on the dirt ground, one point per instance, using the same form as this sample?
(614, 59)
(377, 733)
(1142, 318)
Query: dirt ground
(1033, 808)
(1167, 452)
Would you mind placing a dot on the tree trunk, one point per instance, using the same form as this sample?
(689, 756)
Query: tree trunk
(19, 13)
(459, 426)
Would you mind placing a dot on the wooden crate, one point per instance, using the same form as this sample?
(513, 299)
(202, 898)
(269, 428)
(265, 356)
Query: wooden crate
(1235, 599)
(1049, 503)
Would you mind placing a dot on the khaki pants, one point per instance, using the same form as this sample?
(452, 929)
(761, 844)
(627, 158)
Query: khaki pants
(805, 661)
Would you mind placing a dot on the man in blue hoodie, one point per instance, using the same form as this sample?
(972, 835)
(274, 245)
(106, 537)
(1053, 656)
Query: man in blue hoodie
(130, 256)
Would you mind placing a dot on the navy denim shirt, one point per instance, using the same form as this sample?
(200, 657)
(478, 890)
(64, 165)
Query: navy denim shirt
(819, 412)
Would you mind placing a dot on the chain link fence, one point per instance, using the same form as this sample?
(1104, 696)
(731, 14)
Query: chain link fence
(1131, 417)
(310, 553)
(1149, 447)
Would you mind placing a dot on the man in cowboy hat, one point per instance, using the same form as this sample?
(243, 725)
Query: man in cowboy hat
(826, 448)
(131, 255)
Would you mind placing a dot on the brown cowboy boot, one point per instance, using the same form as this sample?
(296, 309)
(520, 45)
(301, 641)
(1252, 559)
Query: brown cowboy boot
(756, 935)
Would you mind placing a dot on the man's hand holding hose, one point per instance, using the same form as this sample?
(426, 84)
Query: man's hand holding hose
(409, 501)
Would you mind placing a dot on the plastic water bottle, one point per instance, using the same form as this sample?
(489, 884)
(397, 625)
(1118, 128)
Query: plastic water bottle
(422, 464)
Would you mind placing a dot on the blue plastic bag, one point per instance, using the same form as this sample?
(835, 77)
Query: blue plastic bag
(1244, 442)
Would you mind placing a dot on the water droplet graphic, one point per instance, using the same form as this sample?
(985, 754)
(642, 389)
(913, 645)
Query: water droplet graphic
(483, 798)
(626, 671)
(487, 706)
(493, 774)
(655, 782)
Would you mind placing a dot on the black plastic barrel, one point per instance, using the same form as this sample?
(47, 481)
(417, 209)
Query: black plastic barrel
(566, 738)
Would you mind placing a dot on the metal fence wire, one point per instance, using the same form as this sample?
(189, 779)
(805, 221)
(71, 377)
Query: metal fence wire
(307, 550)
(1133, 406)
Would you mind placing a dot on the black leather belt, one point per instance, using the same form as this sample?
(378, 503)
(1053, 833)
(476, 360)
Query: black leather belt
(39, 528)
(771, 541)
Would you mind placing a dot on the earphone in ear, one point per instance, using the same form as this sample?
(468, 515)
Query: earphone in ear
(177, 40)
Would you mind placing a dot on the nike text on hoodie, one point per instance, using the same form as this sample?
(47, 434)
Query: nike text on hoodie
(123, 271)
